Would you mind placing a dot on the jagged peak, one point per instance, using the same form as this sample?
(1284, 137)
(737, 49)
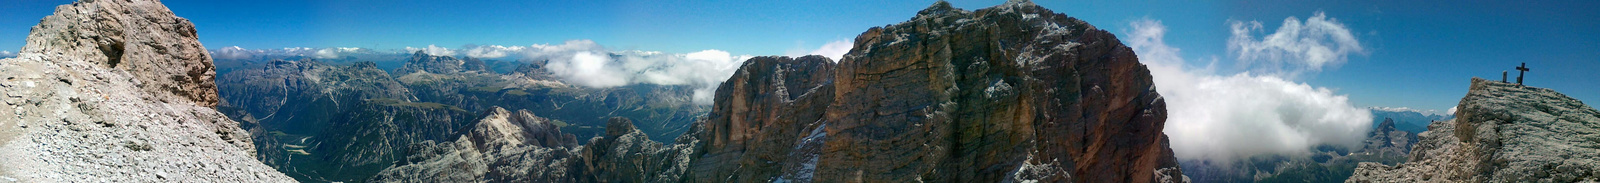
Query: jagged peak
(1387, 125)
(938, 7)
(365, 64)
(618, 126)
(1018, 3)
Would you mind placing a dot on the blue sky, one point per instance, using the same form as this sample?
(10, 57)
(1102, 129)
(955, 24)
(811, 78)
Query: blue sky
(1415, 54)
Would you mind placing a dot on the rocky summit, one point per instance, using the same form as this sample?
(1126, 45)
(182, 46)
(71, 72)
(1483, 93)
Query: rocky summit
(1013, 92)
(1503, 132)
(1009, 93)
(118, 91)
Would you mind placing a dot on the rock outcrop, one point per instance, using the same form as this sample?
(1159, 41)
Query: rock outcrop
(1503, 132)
(765, 121)
(1013, 92)
(1387, 140)
(1059, 100)
(118, 91)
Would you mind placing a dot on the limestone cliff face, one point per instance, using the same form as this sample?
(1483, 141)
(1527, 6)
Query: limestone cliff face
(1503, 132)
(1013, 92)
(766, 119)
(158, 48)
(118, 91)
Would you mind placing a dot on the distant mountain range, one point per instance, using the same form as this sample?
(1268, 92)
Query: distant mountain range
(346, 120)
(1406, 120)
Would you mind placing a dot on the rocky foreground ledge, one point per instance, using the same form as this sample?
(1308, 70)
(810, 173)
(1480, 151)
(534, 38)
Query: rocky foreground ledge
(1503, 132)
(118, 91)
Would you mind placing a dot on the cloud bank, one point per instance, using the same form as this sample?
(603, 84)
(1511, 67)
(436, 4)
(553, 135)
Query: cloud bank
(1230, 117)
(1294, 48)
(577, 62)
(7, 54)
(236, 52)
(491, 51)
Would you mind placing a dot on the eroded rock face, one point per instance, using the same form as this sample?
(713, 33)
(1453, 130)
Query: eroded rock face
(1014, 92)
(765, 120)
(957, 95)
(118, 91)
(159, 49)
(1503, 132)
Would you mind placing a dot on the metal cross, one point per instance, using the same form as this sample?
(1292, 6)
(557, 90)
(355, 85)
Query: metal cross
(1520, 70)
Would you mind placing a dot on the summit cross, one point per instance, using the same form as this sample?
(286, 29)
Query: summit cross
(1520, 70)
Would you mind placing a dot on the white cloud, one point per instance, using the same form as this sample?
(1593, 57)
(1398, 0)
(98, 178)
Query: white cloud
(585, 63)
(236, 52)
(589, 69)
(1295, 48)
(7, 54)
(433, 50)
(1451, 111)
(326, 53)
(231, 52)
(1228, 117)
(492, 51)
(833, 50)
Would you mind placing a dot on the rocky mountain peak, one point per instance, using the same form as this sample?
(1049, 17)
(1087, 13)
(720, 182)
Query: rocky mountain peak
(1386, 126)
(500, 128)
(438, 64)
(141, 37)
(118, 91)
(1503, 132)
(908, 93)
(619, 126)
(938, 7)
